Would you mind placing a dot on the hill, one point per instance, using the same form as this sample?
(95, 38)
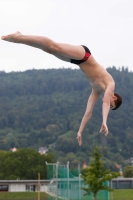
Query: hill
(45, 108)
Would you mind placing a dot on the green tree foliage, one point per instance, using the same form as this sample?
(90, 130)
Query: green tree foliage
(96, 175)
(24, 164)
(45, 108)
(128, 172)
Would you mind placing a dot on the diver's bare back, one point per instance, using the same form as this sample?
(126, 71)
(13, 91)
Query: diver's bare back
(98, 77)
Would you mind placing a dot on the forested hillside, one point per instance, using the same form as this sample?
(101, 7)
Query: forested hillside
(45, 108)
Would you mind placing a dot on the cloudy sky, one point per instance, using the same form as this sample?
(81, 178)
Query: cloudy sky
(105, 26)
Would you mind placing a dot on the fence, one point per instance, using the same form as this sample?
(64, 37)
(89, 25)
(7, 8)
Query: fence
(66, 184)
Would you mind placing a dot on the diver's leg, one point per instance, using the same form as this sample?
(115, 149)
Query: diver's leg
(46, 44)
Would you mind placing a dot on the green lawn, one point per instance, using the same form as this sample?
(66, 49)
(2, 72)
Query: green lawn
(22, 196)
(117, 195)
(122, 195)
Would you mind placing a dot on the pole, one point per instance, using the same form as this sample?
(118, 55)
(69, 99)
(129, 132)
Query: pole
(38, 186)
(68, 179)
(57, 168)
(111, 191)
(79, 182)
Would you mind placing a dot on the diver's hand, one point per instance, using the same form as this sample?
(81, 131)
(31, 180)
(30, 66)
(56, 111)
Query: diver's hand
(79, 137)
(104, 129)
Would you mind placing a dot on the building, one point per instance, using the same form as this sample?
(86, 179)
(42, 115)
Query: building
(32, 185)
(122, 183)
(42, 150)
(23, 185)
(13, 149)
(130, 161)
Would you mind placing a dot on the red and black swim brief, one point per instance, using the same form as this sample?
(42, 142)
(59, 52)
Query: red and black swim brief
(87, 55)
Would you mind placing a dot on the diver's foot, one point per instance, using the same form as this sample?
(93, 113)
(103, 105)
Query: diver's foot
(12, 37)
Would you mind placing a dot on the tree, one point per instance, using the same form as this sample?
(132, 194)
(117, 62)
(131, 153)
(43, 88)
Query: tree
(128, 171)
(45, 107)
(96, 175)
(24, 164)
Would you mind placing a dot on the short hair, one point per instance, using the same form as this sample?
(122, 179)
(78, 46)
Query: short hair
(118, 101)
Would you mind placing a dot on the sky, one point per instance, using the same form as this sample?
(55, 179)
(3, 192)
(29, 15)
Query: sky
(104, 26)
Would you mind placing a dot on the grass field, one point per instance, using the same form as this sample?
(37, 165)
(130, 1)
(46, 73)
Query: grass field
(123, 195)
(22, 196)
(117, 195)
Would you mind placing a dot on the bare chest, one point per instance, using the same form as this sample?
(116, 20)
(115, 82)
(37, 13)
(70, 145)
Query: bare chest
(98, 86)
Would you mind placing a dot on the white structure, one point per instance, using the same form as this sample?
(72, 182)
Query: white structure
(23, 185)
(42, 150)
(13, 149)
(130, 161)
(32, 185)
